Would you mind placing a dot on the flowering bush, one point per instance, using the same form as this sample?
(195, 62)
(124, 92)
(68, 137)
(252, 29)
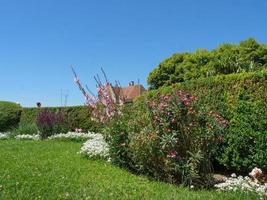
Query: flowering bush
(105, 104)
(96, 147)
(117, 135)
(27, 137)
(172, 138)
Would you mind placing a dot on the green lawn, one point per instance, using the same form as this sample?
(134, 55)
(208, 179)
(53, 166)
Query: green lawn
(54, 170)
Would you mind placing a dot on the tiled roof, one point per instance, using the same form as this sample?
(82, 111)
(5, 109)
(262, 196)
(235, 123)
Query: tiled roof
(128, 94)
(131, 92)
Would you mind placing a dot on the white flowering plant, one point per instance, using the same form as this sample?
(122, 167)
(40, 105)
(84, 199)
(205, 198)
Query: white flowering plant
(4, 136)
(27, 137)
(74, 136)
(246, 184)
(96, 147)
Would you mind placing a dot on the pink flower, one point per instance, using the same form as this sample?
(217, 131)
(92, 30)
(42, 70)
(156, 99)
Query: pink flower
(78, 130)
(256, 173)
(173, 154)
(76, 80)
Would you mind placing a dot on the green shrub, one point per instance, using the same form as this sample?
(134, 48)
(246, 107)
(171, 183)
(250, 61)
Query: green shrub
(117, 135)
(9, 115)
(246, 140)
(242, 100)
(26, 128)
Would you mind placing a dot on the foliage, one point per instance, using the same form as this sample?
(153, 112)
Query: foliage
(242, 100)
(45, 122)
(246, 143)
(249, 55)
(117, 135)
(75, 117)
(172, 138)
(49, 123)
(26, 128)
(53, 170)
(9, 115)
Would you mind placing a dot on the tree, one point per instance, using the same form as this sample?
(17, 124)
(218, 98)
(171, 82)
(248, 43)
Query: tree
(248, 55)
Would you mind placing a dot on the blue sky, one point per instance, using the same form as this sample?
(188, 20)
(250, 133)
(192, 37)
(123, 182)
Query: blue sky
(39, 40)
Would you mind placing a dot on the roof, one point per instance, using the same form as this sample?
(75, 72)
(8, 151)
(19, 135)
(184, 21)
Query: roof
(128, 94)
(131, 92)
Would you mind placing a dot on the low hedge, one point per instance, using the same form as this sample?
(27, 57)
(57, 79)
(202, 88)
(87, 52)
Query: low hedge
(9, 115)
(242, 100)
(76, 117)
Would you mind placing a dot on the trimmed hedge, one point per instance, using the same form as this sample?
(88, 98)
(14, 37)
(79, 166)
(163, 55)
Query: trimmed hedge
(9, 115)
(76, 116)
(242, 100)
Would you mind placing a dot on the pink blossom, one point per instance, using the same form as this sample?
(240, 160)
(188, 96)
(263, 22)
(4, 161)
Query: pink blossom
(173, 154)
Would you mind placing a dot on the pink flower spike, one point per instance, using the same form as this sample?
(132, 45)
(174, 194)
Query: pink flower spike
(76, 80)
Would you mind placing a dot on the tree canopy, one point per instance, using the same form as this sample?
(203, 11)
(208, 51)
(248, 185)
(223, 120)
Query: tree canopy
(248, 55)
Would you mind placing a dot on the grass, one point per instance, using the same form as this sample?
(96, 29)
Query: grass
(54, 170)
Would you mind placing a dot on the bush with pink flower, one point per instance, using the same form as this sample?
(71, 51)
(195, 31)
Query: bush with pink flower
(172, 137)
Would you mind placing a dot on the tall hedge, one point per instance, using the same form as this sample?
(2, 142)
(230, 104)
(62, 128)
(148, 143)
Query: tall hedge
(242, 100)
(9, 115)
(76, 116)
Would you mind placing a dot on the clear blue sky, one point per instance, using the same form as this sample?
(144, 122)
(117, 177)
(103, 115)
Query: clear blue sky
(39, 40)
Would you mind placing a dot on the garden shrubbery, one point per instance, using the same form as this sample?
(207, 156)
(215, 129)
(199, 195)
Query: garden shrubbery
(74, 116)
(9, 115)
(25, 129)
(167, 136)
(247, 56)
(242, 100)
(177, 142)
(169, 139)
(117, 134)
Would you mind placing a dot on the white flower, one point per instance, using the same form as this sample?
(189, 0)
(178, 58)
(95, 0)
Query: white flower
(243, 183)
(27, 137)
(4, 136)
(233, 175)
(95, 147)
(72, 135)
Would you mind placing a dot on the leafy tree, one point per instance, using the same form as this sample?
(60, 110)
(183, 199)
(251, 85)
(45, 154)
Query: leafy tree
(248, 55)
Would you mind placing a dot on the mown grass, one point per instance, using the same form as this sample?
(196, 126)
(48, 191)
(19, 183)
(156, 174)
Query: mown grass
(54, 170)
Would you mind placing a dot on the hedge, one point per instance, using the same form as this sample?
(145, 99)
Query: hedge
(9, 115)
(242, 100)
(76, 116)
